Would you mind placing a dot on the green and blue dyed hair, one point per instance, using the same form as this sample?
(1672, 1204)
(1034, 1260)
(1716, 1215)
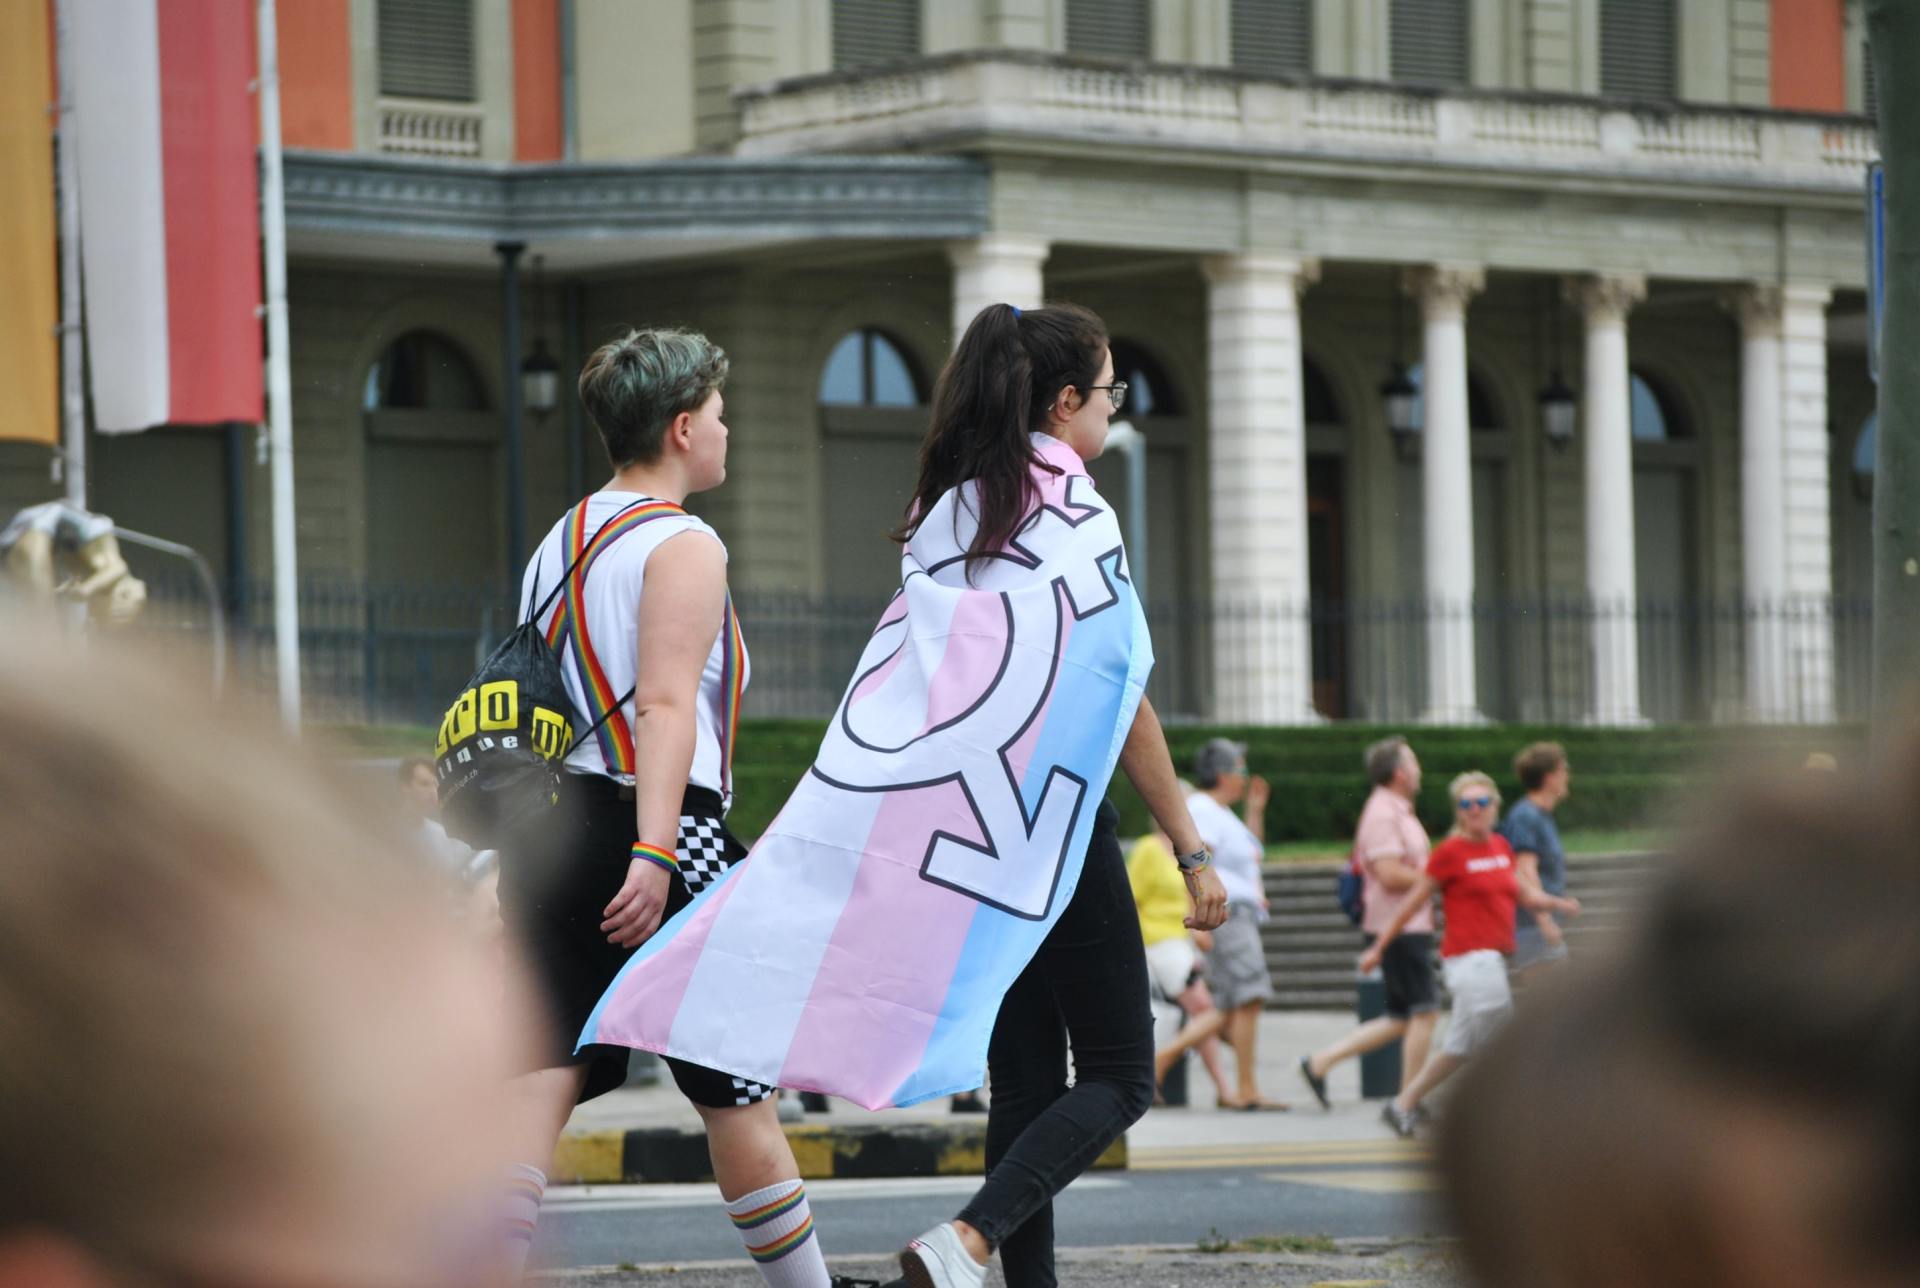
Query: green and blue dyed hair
(633, 387)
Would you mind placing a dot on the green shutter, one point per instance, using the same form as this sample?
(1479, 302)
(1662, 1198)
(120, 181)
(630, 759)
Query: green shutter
(1274, 37)
(426, 49)
(1427, 41)
(1637, 42)
(867, 33)
(1110, 28)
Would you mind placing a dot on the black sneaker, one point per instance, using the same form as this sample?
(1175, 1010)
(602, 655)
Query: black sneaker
(1315, 1084)
(967, 1102)
(848, 1281)
(1402, 1121)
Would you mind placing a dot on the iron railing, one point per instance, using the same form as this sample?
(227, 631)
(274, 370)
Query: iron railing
(398, 653)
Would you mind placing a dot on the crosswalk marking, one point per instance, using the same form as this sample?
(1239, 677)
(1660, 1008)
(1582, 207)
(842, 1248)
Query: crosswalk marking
(1399, 1181)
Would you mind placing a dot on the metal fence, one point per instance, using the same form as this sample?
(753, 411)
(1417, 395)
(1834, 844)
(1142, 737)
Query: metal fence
(398, 653)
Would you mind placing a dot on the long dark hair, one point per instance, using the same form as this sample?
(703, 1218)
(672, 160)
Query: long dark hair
(995, 391)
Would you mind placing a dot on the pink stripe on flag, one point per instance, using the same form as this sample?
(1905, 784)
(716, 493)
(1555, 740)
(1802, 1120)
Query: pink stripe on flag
(976, 642)
(888, 971)
(642, 1005)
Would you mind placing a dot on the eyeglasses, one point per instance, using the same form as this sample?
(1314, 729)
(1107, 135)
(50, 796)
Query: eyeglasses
(1116, 393)
(1474, 802)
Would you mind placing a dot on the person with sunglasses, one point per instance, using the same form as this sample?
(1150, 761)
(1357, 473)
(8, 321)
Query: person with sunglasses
(1473, 873)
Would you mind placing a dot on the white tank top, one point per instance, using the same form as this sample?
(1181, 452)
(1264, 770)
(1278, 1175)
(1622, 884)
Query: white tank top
(611, 593)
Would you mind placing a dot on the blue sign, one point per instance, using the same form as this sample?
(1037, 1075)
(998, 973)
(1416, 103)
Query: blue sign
(1876, 263)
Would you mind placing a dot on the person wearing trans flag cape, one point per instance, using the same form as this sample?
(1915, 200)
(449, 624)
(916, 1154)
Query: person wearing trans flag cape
(944, 889)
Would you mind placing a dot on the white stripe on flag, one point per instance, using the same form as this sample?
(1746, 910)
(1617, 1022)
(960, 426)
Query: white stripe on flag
(123, 239)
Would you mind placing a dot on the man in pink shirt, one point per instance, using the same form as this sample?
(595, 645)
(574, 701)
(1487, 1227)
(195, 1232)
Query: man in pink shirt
(1390, 850)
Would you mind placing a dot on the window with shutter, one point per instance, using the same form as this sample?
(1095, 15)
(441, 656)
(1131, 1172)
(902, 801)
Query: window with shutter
(1869, 92)
(426, 49)
(1110, 28)
(867, 33)
(1274, 37)
(1427, 41)
(1637, 45)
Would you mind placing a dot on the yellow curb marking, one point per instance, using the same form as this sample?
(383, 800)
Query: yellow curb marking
(590, 1158)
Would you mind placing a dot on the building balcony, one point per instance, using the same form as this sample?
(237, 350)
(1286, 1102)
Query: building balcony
(430, 128)
(1216, 116)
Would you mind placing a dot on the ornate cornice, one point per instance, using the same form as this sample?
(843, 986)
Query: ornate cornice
(836, 197)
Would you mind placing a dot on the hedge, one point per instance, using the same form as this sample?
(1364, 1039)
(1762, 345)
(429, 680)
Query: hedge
(1622, 778)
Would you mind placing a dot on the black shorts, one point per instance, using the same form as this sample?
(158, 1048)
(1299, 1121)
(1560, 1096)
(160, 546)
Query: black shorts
(554, 890)
(1407, 968)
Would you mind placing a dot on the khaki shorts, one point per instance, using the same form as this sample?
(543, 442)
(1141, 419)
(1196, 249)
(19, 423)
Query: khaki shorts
(1237, 963)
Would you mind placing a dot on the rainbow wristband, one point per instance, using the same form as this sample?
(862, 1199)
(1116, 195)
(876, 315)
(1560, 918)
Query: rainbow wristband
(654, 854)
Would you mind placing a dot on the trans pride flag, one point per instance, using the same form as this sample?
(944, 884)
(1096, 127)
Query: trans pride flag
(862, 949)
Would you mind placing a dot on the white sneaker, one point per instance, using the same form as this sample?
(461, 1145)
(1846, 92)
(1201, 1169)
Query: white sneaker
(937, 1259)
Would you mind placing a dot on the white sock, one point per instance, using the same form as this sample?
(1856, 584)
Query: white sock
(519, 1214)
(777, 1226)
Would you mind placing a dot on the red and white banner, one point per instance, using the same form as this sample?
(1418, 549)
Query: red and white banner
(169, 211)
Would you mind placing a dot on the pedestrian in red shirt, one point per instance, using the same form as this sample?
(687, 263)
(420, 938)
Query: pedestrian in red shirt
(1473, 872)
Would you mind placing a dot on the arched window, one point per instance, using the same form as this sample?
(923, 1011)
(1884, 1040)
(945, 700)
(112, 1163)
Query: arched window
(423, 371)
(1653, 416)
(1149, 391)
(1482, 411)
(1322, 408)
(867, 369)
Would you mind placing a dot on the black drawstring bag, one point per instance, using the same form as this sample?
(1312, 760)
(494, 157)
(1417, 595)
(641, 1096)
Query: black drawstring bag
(503, 741)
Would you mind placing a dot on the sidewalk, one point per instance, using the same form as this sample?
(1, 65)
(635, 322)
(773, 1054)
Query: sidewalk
(652, 1133)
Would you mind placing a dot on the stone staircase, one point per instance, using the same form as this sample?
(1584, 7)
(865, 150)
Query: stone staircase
(1311, 947)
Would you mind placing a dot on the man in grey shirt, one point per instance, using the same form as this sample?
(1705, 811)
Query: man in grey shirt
(1539, 861)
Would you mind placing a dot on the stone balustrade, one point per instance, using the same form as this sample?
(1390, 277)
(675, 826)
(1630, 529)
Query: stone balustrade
(425, 128)
(966, 96)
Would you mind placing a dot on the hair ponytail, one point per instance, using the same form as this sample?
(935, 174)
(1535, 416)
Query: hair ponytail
(990, 397)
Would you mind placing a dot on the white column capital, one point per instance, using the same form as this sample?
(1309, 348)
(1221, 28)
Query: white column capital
(1444, 289)
(1605, 297)
(1758, 306)
(997, 248)
(1232, 270)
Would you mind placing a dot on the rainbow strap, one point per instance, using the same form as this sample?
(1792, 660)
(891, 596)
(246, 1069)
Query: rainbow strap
(654, 854)
(569, 624)
(568, 627)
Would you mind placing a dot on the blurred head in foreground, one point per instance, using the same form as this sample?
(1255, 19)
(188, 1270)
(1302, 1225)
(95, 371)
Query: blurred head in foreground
(240, 1042)
(1736, 1100)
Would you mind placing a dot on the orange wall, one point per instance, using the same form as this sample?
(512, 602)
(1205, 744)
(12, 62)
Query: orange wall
(316, 75)
(1809, 55)
(538, 132)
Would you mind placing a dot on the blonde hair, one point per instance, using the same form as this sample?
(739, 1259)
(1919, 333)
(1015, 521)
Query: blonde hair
(213, 959)
(1472, 778)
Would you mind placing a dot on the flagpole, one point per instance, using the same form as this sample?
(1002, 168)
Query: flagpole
(273, 229)
(73, 407)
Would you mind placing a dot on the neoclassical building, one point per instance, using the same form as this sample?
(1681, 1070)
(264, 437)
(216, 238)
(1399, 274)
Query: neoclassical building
(1495, 359)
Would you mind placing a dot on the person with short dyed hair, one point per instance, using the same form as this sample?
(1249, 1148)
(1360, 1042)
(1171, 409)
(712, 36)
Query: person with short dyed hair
(1472, 871)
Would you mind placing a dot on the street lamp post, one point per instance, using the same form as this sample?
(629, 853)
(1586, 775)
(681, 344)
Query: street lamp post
(509, 252)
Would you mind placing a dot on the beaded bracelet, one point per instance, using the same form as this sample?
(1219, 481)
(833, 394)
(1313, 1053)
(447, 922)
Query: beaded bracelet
(654, 854)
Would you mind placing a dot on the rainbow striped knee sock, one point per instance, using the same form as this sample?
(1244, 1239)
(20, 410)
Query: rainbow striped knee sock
(777, 1226)
(519, 1214)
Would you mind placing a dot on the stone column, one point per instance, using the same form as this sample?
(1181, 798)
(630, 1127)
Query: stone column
(1257, 491)
(1763, 538)
(1807, 504)
(997, 268)
(1447, 491)
(1607, 429)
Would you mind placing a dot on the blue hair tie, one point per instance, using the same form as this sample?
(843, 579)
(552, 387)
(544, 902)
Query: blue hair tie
(1015, 308)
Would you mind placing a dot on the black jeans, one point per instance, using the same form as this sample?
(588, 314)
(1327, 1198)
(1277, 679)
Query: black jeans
(1086, 988)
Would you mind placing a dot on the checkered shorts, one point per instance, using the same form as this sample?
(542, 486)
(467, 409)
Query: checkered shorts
(706, 850)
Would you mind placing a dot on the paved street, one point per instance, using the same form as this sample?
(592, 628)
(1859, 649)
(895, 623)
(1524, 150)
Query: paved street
(1298, 1179)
